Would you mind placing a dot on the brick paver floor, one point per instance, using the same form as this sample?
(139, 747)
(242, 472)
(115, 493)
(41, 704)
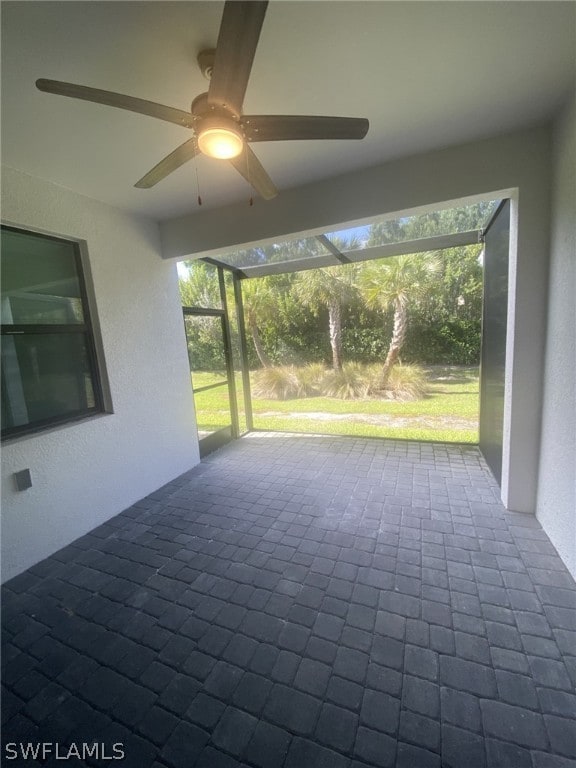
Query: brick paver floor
(302, 602)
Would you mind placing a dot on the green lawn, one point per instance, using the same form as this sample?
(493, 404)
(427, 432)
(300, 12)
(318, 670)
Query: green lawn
(449, 413)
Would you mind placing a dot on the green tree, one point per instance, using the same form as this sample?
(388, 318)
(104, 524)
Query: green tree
(396, 282)
(260, 301)
(462, 219)
(458, 292)
(328, 287)
(445, 323)
(200, 288)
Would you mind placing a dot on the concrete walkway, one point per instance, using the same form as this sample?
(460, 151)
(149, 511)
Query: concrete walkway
(301, 602)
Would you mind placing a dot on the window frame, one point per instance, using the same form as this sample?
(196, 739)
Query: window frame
(85, 329)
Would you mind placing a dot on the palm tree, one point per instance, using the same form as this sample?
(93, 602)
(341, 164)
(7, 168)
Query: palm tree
(260, 304)
(396, 282)
(329, 287)
(200, 288)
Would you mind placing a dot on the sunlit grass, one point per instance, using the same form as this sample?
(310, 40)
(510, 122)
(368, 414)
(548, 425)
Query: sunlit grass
(448, 414)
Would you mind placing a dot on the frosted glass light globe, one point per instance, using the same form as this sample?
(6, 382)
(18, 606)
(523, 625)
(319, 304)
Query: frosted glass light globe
(220, 141)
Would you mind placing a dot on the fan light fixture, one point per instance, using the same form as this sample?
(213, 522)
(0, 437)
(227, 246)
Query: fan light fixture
(220, 139)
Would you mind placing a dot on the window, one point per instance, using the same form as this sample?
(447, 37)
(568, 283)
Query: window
(49, 368)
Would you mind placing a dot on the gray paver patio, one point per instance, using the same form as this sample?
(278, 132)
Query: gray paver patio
(302, 602)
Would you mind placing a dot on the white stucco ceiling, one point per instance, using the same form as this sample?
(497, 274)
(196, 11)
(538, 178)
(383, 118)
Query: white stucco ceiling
(426, 75)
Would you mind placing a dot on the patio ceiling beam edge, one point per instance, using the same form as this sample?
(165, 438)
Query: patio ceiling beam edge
(422, 245)
(298, 265)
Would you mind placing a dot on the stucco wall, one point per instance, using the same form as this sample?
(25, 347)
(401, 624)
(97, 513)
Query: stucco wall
(86, 472)
(556, 508)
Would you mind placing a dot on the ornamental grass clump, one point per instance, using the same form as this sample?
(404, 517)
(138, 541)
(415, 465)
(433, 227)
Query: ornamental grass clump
(311, 377)
(354, 381)
(347, 384)
(404, 382)
(278, 383)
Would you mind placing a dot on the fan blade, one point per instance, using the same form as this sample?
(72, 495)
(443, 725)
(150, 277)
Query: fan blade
(235, 49)
(293, 127)
(170, 163)
(111, 99)
(248, 165)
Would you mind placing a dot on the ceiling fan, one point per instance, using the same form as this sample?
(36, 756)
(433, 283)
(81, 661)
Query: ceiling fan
(220, 128)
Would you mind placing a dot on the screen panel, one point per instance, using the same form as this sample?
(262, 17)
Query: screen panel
(494, 330)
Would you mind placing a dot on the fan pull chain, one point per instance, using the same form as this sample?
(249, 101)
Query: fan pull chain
(251, 199)
(196, 170)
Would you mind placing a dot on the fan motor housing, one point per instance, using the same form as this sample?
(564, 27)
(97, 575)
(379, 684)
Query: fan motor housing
(202, 109)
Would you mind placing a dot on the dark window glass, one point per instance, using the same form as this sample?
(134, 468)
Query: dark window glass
(49, 372)
(40, 280)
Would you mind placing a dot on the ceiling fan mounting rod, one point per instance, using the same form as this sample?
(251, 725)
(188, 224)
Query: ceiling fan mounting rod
(205, 61)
